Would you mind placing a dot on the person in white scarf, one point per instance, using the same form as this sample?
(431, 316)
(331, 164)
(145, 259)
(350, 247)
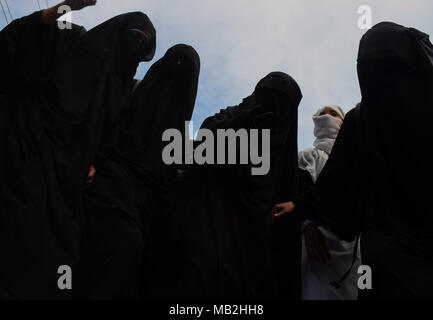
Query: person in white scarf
(325, 258)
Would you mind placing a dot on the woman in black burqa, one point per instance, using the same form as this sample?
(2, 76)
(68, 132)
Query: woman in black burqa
(375, 167)
(125, 216)
(59, 91)
(219, 243)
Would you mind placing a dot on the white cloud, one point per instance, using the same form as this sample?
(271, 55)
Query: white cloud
(240, 41)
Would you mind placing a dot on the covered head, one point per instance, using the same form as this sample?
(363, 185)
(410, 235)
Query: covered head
(332, 110)
(394, 62)
(130, 38)
(395, 74)
(280, 94)
(163, 100)
(327, 124)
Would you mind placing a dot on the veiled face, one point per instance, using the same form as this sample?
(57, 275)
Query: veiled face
(138, 38)
(136, 45)
(389, 56)
(330, 111)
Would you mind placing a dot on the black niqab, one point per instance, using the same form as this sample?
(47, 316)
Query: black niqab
(163, 100)
(115, 51)
(396, 76)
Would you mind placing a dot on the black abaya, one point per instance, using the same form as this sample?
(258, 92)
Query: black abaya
(39, 215)
(125, 205)
(377, 165)
(50, 134)
(222, 225)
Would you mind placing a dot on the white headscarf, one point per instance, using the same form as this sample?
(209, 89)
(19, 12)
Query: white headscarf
(326, 128)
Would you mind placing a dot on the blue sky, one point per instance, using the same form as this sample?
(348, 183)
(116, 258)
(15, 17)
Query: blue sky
(240, 41)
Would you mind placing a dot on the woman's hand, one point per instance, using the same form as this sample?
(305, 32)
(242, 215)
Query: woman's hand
(316, 245)
(79, 4)
(282, 209)
(91, 174)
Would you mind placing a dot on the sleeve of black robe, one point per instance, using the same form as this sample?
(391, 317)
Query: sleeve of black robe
(11, 39)
(30, 50)
(334, 201)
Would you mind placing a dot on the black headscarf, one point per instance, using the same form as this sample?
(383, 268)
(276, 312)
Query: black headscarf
(163, 100)
(221, 232)
(395, 70)
(114, 49)
(118, 39)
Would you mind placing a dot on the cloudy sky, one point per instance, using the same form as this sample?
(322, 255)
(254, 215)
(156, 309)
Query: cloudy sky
(240, 41)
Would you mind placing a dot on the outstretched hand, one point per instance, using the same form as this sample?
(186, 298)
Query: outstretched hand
(282, 209)
(79, 4)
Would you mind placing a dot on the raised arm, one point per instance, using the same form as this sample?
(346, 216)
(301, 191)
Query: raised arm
(50, 15)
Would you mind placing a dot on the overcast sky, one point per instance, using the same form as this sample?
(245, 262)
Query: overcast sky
(240, 41)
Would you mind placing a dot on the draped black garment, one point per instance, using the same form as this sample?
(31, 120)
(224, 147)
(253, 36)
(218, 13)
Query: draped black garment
(378, 168)
(220, 237)
(124, 206)
(56, 88)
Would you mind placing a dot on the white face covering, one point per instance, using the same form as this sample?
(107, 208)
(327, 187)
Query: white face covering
(326, 128)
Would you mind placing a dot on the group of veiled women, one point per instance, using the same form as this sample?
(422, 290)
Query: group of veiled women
(141, 229)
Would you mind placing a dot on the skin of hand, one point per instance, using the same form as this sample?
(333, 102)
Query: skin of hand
(91, 175)
(282, 209)
(316, 245)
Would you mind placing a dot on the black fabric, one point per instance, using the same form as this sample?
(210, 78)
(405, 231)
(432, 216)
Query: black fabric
(164, 99)
(61, 89)
(286, 238)
(396, 75)
(287, 248)
(131, 187)
(39, 210)
(397, 273)
(341, 178)
(30, 52)
(220, 235)
(112, 259)
(305, 184)
(117, 51)
(375, 167)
